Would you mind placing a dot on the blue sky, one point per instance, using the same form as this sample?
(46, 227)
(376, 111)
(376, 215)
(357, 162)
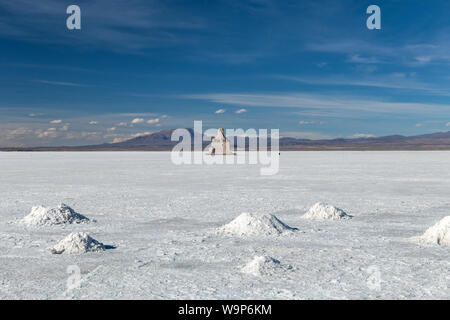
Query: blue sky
(310, 68)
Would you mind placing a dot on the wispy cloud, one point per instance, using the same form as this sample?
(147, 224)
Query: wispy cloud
(131, 25)
(33, 115)
(356, 58)
(337, 103)
(61, 83)
(389, 81)
(406, 52)
(220, 111)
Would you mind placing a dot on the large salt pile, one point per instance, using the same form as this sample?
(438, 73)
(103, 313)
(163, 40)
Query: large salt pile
(41, 216)
(322, 211)
(437, 234)
(250, 224)
(263, 266)
(77, 242)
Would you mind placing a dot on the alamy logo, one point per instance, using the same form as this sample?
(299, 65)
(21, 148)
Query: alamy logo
(74, 279)
(374, 21)
(373, 280)
(74, 20)
(252, 147)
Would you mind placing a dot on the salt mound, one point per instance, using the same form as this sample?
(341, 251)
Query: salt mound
(263, 266)
(77, 242)
(321, 211)
(250, 224)
(437, 234)
(41, 216)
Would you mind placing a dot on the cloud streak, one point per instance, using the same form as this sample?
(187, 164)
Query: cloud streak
(318, 102)
(61, 83)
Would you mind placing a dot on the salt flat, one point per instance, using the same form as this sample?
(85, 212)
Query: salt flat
(162, 219)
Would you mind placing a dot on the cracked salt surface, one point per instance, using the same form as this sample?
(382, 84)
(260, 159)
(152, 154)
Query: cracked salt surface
(161, 224)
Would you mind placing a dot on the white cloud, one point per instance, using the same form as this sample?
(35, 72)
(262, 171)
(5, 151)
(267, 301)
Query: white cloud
(363, 135)
(93, 122)
(56, 121)
(241, 111)
(220, 111)
(49, 133)
(423, 59)
(447, 124)
(111, 129)
(32, 115)
(65, 127)
(153, 121)
(419, 125)
(137, 120)
(122, 124)
(18, 132)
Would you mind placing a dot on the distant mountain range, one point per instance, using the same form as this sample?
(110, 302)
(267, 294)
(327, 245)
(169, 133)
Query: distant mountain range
(161, 141)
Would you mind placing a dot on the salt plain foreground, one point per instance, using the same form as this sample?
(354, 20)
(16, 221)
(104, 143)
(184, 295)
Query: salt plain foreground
(163, 219)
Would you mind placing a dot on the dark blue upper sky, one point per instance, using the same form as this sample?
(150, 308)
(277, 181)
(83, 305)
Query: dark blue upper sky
(310, 68)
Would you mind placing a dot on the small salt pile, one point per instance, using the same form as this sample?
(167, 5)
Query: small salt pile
(77, 242)
(438, 234)
(250, 224)
(263, 266)
(42, 216)
(322, 211)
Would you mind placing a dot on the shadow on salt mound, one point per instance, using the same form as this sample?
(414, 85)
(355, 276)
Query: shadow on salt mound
(250, 224)
(42, 216)
(438, 234)
(264, 266)
(322, 211)
(78, 242)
